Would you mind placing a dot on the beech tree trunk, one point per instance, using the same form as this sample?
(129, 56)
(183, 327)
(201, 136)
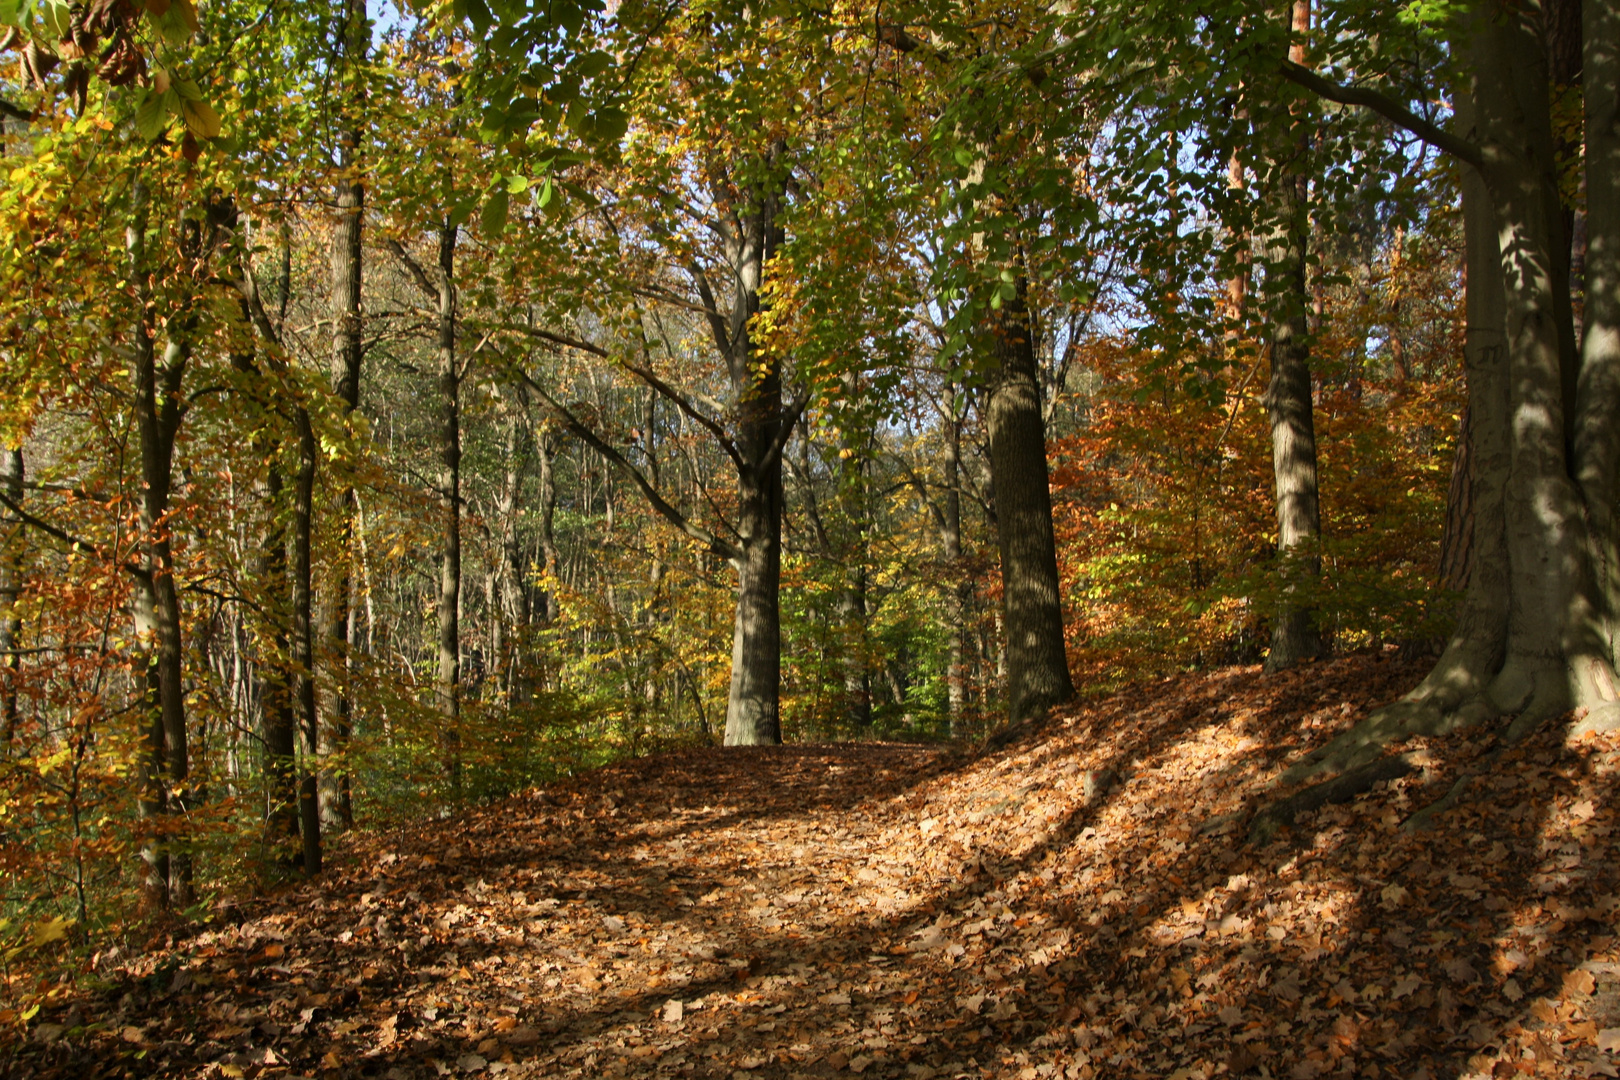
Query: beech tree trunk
(1037, 661)
(286, 693)
(1294, 635)
(1535, 637)
(753, 704)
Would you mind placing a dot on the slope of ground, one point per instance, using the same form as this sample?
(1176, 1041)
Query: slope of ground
(1079, 904)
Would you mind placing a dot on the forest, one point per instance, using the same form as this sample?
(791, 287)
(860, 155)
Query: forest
(973, 437)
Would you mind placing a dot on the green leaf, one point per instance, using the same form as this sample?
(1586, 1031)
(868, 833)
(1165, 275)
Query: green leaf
(517, 184)
(493, 218)
(545, 193)
(188, 90)
(150, 115)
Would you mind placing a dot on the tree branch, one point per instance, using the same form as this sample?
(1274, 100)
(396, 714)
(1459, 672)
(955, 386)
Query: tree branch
(1388, 108)
(730, 552)
(779, 444)
(419, 275)
(73, 542)
(708, 423)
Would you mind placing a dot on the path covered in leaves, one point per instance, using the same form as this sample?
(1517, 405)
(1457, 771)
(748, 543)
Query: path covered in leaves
(1081, 903)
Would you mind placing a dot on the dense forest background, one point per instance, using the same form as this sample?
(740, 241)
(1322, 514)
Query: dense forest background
(406, 406)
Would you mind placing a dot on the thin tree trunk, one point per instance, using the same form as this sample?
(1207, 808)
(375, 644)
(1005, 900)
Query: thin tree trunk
(1294, 635)
(951, 540)
(1597, 440)
(158, 414)
(449, 680)
(1036, 658)
(303, 640)
(348, 352)
(11, 588)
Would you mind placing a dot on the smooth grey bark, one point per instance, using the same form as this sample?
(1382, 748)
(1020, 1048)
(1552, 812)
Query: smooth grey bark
(1036, 657)
(1546, 612)
(1294, 635)
(1451, 695)
(752, 235)
(1597, 439)
(11, 589)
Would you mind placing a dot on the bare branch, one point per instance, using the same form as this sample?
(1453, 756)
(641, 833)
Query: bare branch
(730, 552)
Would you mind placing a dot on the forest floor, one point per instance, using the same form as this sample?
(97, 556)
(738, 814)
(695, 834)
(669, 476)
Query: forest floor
(1079, 903)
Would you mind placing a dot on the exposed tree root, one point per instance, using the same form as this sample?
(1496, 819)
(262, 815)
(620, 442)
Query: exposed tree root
(1341, 788)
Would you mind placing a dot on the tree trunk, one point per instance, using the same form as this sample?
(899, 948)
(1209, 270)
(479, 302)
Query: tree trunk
(951, 540)
(303, 640)
(753, 705)
(1036, 657)
(449, 681)
(1597, 439)
(513, 584)
(348, 351)
(1294, 635)
(11, 588)
(158, 413)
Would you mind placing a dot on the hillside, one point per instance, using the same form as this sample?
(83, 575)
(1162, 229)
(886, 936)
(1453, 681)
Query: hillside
(1080, 903)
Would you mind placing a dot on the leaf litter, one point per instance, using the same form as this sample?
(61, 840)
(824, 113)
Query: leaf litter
(1081, 903)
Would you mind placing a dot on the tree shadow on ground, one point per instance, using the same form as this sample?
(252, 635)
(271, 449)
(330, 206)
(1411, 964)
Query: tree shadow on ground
(1035, 929)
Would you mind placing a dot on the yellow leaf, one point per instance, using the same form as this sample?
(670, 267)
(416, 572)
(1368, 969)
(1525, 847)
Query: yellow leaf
(202, 119)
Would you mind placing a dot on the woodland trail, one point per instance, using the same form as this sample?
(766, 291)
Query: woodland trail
(1078, 904)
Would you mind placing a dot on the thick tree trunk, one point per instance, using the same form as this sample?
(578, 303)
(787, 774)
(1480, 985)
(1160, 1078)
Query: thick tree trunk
(1294, 635)
(11, 589)
(756, 646)
(1557, 655)
(753, 705)
(449, 680)
(1036, 658)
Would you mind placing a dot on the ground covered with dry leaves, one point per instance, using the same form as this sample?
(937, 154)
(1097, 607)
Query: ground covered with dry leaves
(1080, 903)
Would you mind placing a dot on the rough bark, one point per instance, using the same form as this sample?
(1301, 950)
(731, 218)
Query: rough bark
(516, 601)
(158, 411)
(951, 542)
(1037, 661)
(348, 353)
(11, 588)
(449, 676)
